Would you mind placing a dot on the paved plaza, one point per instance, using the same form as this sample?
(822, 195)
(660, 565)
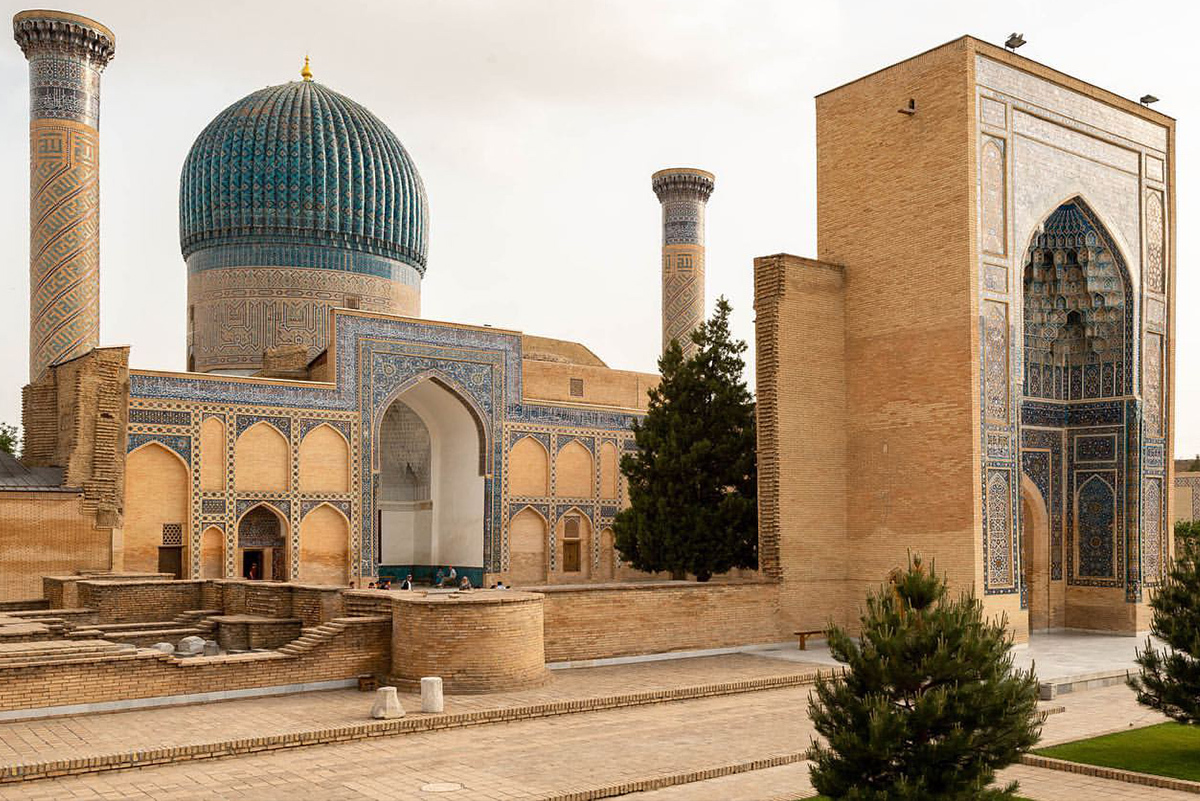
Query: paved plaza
(1054, 655)
(541, 758)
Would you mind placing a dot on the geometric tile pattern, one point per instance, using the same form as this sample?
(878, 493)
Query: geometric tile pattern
(66, 56)
(374, 359)
(683, 194)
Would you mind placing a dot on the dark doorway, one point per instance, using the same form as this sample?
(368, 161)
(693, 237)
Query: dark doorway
(170, 560)
(252, 563)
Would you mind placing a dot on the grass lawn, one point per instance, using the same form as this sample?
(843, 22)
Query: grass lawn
(1168, 749)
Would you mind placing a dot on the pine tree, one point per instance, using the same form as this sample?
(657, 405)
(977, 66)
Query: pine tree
(693, 479)
(929, 706)
(1170, 679)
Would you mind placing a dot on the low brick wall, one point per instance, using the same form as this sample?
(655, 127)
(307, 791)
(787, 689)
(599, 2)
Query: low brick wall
(362, 646)
(244, 632)
(478, 642)
(24, 606)
(139, 601)
(313, 604)
(61, 592)
(609, 620)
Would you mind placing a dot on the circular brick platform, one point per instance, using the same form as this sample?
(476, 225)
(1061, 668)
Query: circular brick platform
(480, 641)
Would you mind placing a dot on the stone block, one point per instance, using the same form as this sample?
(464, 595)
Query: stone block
(431, 694)
(165, 647)
(191, 646)
(212, 648)
(387, 704)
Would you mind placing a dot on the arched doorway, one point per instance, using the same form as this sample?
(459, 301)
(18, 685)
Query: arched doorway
(1078, 350)
(1035, 555)
(262, 545)
(431, 484)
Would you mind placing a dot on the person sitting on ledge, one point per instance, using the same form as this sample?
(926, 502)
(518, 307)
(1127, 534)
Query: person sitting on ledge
(371, 586)
(407, 583)
(452, 574)
(440, 579)
(464, 583)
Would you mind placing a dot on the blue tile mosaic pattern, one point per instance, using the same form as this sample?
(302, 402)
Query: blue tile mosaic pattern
(301, 164)
(376, 359)
(1096, 517)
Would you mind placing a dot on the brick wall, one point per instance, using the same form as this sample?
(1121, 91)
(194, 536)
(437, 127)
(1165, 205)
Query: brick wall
(140, 601)
(802, 469)
(483, 641)
(622, 620)
(895, 209)
(361, 647)
(46, 533)
(62, 592)
(551, 381)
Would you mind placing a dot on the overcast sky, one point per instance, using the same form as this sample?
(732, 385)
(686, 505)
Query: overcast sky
(536, 125)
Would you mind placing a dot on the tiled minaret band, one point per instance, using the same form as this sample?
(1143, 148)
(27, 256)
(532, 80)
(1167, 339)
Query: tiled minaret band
(66, 55)
(683, 193)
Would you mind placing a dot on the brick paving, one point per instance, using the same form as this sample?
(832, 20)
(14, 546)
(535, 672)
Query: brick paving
(1096, 712)
(526, 759)
(791, 782)
(523, 760)
(73, 737)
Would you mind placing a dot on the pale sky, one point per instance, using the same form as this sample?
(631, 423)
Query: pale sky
(536, 125)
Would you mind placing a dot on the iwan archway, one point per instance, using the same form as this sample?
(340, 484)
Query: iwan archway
(1079, 423)
(430, 504)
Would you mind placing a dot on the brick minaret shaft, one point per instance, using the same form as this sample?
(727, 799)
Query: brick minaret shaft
(683, 193)
(66, 54)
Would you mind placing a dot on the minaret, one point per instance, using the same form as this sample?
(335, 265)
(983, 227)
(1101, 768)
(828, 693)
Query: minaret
(683, 192)
(66, 54)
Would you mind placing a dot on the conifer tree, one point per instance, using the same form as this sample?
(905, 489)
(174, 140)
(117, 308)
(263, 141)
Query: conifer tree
(929, 705)
(1170, 678)
(693, 479)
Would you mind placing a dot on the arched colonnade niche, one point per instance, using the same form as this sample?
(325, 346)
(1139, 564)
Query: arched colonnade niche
(155, 536)
(262, 545)
(1078, 365)
(431, 484)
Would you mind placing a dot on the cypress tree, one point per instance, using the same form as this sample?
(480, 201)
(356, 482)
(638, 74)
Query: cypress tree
(693, 480)
(929, 705)
(1170, 679)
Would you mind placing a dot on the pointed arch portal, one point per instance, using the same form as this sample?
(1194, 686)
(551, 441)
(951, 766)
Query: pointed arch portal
(431, 488)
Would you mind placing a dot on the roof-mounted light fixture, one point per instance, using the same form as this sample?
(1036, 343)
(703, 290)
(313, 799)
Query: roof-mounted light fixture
(1014, 41)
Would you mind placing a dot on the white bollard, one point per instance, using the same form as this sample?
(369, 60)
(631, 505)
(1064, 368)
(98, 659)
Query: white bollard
(431, 694)
(387, 704)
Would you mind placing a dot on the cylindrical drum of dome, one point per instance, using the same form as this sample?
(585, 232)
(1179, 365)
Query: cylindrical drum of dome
(293, 201)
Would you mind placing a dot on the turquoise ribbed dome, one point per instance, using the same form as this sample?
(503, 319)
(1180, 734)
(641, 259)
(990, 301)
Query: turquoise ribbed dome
(300, 164)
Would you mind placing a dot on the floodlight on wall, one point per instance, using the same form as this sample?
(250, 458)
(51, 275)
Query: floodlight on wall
(1014, 41)
(1148, 99)
(910, 109)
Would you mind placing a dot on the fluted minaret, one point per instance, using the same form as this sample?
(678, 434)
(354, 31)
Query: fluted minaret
(66, 54)
(683, 192)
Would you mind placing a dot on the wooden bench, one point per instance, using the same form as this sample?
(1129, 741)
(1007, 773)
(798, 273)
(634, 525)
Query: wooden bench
(804, 635)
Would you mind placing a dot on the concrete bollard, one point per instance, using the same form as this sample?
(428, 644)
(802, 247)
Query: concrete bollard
(387, 704)
(431, 694)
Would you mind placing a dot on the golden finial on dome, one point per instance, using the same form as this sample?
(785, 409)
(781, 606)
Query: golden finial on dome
(305, 72)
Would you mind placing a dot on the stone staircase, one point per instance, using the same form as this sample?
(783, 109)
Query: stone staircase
(312, 636)
(194, 622)
(360, 606)
(58, 651)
